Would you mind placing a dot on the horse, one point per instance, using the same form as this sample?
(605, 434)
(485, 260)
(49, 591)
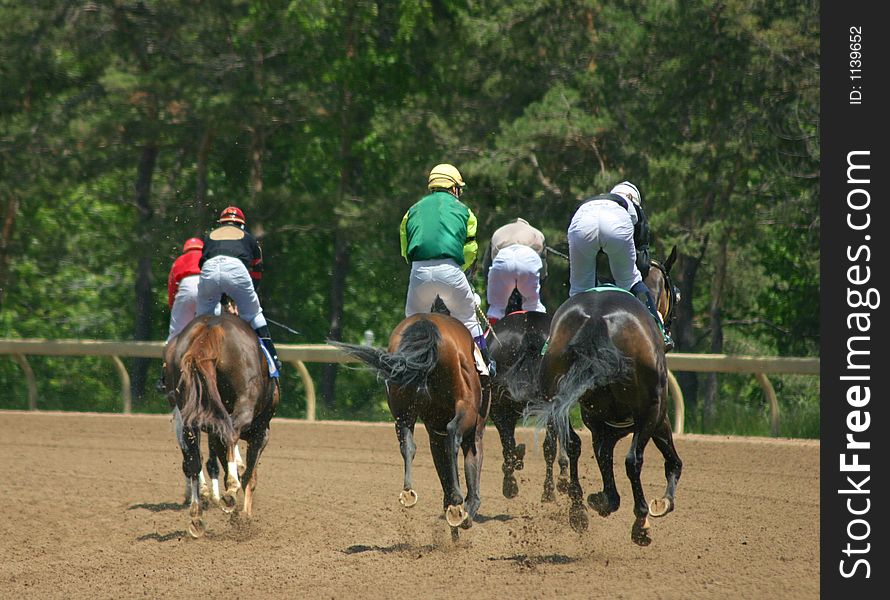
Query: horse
(209, 494)
(219, 380)
(429, 369)
(605, 352)
(520, 333)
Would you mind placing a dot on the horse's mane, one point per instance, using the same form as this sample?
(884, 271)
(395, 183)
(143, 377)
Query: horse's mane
(202, 404)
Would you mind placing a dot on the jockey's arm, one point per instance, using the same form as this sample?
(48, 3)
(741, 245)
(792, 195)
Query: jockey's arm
(403, 236)
(256, 265)
(471, 247)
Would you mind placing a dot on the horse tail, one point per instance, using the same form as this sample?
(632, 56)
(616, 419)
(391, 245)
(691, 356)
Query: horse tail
(202, 405)
(412, 362)
(595, 364)
(522, 379)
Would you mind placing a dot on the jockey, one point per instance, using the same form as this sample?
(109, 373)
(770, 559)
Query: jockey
(438, 238)
(613, 222)
(182, 286)
(182, 291)
(232, 264)
(515, 259)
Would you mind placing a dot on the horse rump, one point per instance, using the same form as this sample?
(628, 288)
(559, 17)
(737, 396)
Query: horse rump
(410, 364)
(595, 363)
(200, 403)
(522, 377)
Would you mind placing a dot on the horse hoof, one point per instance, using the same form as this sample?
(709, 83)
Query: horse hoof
(407, 498)
(600, 503)
(661, 507)
(562, 485)
(197, 528)
(548, 495)
(578, 518)
(511, 488)
(227, 502)
(468, 522)
(455, 515)
(639, 533)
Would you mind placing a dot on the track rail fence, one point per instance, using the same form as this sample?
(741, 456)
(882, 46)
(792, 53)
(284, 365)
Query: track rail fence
(299, 354)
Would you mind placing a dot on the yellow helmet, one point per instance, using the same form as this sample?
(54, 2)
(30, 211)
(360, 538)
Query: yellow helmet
(445, 176)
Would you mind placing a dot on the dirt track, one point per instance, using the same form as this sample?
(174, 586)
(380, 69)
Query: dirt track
(91, 510)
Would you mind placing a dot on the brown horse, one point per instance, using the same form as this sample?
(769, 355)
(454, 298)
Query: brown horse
(219, 381)
(520, 333)
(605, 353)
(430, 373)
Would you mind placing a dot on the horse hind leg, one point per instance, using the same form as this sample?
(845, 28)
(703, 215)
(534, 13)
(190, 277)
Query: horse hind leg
(562, 483)
(405, 434)
(191, 466)
(506, 427)
(229, 499)
(577, 513)
(254, 449)
(472, 448)
(673, 466)
(640, 531)
(549, 458)
(444, 452)
(604, 439)
(217, 458)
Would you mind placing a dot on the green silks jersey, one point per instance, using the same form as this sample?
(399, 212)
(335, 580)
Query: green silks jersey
(439, 226)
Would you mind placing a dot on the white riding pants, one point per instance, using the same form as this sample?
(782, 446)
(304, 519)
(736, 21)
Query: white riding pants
(228, 275)
(443, 278)
(601, 224)
(185, 303)
(519, 267)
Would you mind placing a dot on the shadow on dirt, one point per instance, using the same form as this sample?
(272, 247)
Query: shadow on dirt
(525, 561)
(160, 507)
(500, 518)
(176, 535)
(360, 548)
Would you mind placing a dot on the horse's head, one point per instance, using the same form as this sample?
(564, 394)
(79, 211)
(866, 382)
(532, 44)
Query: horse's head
(664, 292)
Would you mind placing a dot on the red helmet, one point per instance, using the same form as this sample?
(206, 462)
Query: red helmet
(231, 213)
(193, 244)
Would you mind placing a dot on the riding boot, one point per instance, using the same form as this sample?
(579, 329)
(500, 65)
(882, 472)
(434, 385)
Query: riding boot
(483, 347)
(266, 339)
(641, 291)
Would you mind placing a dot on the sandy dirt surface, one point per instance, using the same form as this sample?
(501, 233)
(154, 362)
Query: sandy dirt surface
(91, 509)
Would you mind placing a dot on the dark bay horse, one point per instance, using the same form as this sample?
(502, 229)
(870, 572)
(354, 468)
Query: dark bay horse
(605, 353)
(520, 333)
(430, 373)
(219, 380)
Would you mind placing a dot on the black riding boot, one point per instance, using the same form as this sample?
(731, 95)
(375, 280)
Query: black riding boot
(266, 339)
(641, 291)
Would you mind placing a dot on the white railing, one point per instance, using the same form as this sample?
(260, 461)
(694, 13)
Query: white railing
(299, 354)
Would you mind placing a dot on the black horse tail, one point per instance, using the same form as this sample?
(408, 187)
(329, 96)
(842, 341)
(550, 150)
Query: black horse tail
(411, 363)
(595, 364)
(522, 378)
(202, 405)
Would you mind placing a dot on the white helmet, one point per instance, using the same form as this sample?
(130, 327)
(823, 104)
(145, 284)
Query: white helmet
(629, 191)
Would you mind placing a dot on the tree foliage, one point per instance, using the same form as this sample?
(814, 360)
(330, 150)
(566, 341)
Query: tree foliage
(125, 126)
